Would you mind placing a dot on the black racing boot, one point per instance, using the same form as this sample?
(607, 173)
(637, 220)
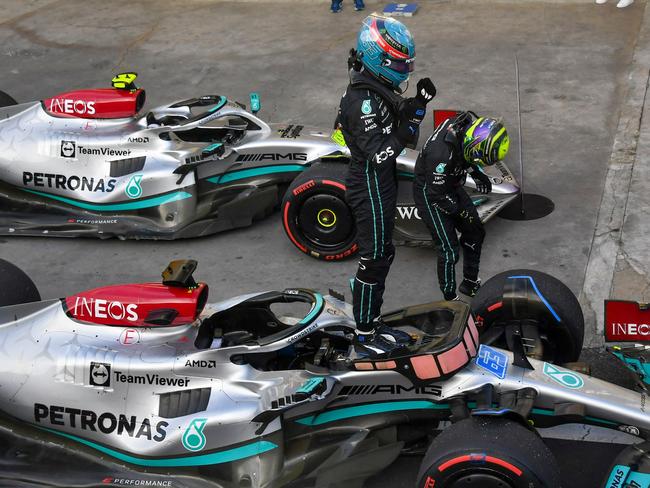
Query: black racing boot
(393, 335)
(373, 345)
(470, 287)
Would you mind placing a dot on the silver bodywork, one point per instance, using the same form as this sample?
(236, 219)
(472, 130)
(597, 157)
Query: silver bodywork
(149, 176)
(252, 426)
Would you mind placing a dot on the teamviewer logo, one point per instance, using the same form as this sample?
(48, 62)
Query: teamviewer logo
(100, 374)
(68, 149)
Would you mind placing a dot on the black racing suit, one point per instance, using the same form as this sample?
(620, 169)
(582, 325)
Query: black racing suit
(443, 204)
(367, 116)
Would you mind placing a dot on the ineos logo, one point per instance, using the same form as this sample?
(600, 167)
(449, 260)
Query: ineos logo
(74, 107)
(104, 309)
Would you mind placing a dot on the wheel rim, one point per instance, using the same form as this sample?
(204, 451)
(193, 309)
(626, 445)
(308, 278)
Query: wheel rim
(325, 221)
(480, 479)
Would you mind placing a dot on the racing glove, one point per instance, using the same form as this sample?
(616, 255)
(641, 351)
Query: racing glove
(411, 112)
(426, 91)
(483, 184)
(409, 117)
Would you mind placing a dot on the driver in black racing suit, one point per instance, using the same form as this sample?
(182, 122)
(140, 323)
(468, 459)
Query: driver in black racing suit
(465, 144)
(377, 125)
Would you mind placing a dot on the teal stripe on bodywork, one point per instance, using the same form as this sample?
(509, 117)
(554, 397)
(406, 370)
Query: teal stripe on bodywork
(249, 173)
(370, 409)
(108, 207)
(404, 174)
(222, 101)
(227, 456)
(315, 310)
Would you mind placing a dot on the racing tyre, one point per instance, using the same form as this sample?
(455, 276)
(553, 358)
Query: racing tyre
(561, 341)
(316, 216)
(6, 100)
(481, 452)
(15, 286)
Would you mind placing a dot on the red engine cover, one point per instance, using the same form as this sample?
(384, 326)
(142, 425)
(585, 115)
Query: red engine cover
(142, 305)
(100, 103)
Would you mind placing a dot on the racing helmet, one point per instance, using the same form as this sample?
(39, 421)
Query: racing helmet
(485, 142)
(386, 49)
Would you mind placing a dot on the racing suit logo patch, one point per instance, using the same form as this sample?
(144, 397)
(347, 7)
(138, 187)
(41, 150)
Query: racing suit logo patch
(366, 108)
(441, 168)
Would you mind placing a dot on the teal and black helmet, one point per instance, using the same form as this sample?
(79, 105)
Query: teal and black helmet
(386, 49)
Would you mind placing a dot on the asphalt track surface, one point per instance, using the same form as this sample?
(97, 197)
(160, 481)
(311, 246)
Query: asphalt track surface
(573, 60)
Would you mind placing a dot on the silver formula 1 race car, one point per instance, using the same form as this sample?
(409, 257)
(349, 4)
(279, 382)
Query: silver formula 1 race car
(94, 163)
(143, 382)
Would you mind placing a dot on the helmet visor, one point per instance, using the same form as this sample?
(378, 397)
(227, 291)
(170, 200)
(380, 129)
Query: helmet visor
(402, 66)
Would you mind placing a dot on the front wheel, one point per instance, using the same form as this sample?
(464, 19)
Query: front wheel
(6, 100)
(15, 286)
(481, 452)
(560, 328)
(316, 216)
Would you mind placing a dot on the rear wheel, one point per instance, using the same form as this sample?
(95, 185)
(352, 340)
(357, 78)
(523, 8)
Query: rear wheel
(561, 340)
(15, 286)
(6, 100)
(316, 217)
(481, 452)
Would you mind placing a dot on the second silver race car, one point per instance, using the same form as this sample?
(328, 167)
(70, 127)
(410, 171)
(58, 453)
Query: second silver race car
(94, 163)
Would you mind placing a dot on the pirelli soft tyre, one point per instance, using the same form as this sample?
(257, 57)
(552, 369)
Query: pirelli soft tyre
(488, 452)
(6, 100)
(15, 286)
(562, 341)
(315, 215)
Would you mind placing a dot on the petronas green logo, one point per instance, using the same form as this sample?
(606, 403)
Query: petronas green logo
(193, 437)
(133, 188)
(366, 108)
(563, 377)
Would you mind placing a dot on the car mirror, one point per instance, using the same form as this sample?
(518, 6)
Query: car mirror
(256, 103)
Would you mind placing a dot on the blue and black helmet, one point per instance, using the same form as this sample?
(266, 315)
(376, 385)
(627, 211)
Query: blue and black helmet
(386, 49)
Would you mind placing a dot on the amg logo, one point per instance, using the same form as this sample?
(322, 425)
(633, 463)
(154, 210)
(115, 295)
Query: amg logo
(434, 390)
(200, 363)
(407, 213)
(297, 156)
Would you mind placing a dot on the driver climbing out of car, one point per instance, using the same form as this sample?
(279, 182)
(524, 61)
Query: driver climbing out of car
(377, 124)
(464, 144)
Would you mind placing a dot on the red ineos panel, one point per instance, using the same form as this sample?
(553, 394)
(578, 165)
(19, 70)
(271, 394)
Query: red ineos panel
(141, 305)
(100, 103)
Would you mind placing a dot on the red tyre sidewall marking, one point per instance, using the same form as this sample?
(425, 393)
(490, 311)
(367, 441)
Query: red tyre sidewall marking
(286, 228)
(480, 458)
(334, 183)
(495, 306)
